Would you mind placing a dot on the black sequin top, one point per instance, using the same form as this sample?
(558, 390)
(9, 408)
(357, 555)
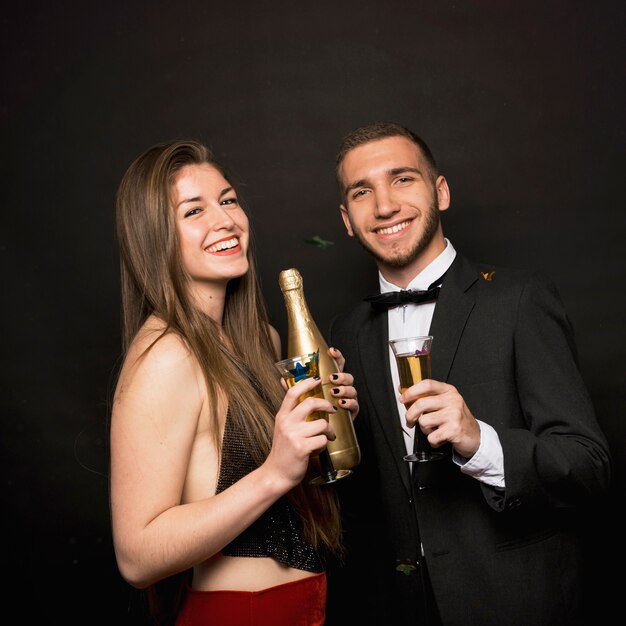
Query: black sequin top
(278, 532)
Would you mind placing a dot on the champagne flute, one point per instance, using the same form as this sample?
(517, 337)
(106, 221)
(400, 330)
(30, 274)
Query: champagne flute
(413, 361)
(293, 370)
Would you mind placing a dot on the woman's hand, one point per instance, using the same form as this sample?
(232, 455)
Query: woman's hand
(343, 385)
(295, 438)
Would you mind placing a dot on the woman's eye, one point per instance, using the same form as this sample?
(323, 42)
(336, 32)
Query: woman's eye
(194, 211)
(229, 201)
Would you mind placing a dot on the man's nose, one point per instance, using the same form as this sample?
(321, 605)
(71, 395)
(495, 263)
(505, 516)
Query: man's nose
(386, 203)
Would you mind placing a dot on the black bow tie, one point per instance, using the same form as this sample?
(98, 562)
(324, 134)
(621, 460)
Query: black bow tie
(392, 299)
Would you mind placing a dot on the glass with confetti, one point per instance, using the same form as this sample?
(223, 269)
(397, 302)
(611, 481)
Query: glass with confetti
(294, 370)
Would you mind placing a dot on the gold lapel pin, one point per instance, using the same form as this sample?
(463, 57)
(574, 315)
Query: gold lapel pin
(487, 275)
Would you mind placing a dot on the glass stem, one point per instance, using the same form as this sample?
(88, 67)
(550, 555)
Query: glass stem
(326, 463)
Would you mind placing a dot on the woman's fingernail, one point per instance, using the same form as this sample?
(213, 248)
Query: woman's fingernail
(343, 401)
(336, 390)
(334, 377)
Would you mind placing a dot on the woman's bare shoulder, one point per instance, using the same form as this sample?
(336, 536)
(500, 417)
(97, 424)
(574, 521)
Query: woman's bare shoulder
(155, 347)
(159, 368)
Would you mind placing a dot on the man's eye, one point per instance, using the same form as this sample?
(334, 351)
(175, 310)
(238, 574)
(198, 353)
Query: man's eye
(194, 211)
(359, 193)
(404, 179)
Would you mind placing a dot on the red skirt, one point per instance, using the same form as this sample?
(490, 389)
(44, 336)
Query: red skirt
(298, 603)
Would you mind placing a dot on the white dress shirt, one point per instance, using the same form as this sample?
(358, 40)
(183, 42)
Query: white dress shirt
(411, 320)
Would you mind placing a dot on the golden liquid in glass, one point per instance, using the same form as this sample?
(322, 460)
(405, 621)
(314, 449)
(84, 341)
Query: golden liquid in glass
(412, 369)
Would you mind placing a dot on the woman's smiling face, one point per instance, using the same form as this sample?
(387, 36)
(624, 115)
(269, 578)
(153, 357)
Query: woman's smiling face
(212, 227)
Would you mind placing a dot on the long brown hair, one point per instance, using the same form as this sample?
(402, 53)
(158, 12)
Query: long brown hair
(154, 282)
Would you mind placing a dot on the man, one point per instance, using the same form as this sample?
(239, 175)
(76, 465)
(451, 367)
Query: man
(487, 535)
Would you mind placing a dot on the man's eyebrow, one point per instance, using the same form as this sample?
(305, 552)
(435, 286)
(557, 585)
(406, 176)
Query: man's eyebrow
(199, 198)
(363, 182)
(355, 184)
(402, 170)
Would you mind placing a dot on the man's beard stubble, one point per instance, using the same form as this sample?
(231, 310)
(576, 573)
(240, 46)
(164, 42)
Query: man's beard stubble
(398, 261)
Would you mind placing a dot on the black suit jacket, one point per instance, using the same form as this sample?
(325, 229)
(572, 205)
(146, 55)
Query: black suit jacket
(495, 557)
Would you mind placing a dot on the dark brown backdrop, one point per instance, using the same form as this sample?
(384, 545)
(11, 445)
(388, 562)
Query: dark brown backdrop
(523, 105)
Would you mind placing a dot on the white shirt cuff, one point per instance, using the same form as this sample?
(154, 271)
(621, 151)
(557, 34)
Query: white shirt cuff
(487, 464)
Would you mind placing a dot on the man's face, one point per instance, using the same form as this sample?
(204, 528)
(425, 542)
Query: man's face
(392, 205)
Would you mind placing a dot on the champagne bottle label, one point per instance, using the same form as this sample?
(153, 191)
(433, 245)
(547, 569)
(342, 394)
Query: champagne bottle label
(304, 337)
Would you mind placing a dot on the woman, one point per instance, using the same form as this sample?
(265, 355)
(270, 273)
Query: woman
(208, 451)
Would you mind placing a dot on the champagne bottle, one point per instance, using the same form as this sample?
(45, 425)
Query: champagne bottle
(304, 337)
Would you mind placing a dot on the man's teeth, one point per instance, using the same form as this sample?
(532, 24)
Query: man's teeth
(393, 229)
(223, 245)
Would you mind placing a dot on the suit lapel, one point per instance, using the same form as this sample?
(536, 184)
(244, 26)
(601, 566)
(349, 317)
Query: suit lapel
(454, 305)
(374, 354)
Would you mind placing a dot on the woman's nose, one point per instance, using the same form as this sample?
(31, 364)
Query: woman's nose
(220, 218)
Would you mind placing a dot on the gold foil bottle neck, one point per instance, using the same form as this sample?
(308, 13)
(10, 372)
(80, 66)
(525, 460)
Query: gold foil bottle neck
(290, 279)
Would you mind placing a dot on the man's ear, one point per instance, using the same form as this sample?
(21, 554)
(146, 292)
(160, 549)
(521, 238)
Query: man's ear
(443, 193)
(346, 219)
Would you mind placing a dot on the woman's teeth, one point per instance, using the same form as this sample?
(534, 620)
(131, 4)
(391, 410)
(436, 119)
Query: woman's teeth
(223, 245)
